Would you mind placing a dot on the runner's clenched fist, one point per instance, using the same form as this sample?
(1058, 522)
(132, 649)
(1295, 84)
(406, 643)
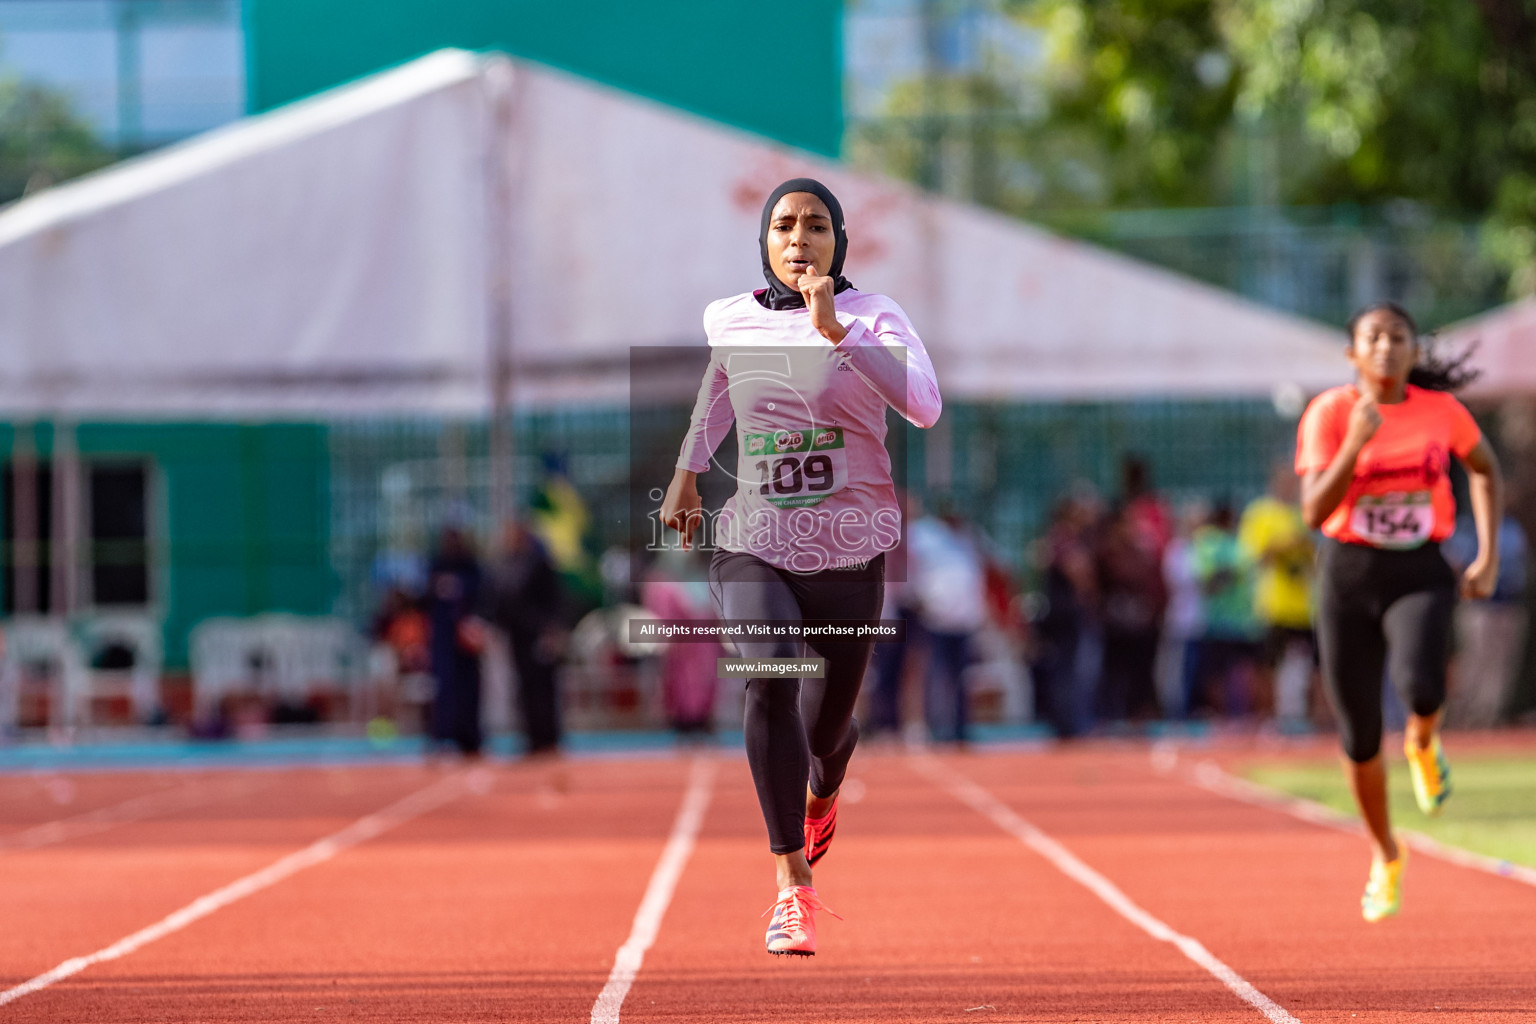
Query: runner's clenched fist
(818, 299)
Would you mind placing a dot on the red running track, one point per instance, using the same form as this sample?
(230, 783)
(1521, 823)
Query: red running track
(508, 899)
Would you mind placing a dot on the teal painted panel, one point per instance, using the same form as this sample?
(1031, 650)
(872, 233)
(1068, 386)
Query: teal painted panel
(772, 70)
(244, 517)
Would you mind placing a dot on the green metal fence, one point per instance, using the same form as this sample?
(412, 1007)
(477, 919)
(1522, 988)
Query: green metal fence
(312, 518)
(395, 482)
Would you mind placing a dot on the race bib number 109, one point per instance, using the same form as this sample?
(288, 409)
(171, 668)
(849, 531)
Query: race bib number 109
(1396, 521)
(795, 468)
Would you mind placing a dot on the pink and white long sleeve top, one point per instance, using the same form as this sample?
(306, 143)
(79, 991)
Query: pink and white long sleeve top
(814, 487)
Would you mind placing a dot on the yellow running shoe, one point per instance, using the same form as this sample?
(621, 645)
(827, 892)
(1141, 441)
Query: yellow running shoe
(1384, 891)
(1431, 775)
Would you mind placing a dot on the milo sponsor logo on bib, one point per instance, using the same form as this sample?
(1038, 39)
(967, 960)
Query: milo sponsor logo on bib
(797, 468)
(788, 440)
(1396, 521)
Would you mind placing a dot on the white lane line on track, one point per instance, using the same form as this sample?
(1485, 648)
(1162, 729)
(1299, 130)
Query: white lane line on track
(1212, 777)
(1065, 861)
(135, 808)
(361, 830)
(658, 894)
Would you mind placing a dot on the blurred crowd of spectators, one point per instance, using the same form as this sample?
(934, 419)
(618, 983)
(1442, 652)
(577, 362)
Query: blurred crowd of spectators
(1141, 610)
(437, 635)
(1128, 612)
(1149, 611)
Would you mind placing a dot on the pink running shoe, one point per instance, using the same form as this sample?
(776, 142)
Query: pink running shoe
(818, 834)
(792, 932)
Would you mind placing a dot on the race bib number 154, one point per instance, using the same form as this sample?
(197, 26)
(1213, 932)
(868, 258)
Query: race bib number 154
(795, 468)
(1396, 521)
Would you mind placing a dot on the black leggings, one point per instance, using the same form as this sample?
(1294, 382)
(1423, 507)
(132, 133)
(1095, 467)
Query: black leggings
(798, 730)
(1379, 609)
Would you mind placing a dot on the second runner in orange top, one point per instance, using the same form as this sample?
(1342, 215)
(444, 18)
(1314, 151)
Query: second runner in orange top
(1374, 459)
(1399, 494)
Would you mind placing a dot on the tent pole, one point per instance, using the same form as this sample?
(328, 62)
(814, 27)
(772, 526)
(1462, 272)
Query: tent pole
(499, 84)
(24, 525)
(66, 519)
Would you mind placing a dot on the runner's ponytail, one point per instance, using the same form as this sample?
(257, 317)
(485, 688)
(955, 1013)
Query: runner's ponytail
(1432, 372)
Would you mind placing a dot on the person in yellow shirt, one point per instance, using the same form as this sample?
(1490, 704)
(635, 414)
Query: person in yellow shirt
(1276, 537)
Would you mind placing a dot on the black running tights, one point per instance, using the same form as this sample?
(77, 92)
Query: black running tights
(798, 731)
(1382, 609)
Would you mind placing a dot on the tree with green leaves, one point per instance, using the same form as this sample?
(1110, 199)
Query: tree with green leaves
(42, 140)
(1198, 103)
(1429, 100)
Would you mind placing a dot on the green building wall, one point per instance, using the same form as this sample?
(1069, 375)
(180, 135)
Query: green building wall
(771, 71)
(240, 516)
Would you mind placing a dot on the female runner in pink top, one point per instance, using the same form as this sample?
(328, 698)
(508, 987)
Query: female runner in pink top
(805, 368)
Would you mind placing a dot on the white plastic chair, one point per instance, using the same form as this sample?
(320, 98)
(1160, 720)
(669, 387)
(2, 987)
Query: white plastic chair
(274, 656)
(227, 656)
(34, 642)
(589, 682)
(312, 653)
(140, 635)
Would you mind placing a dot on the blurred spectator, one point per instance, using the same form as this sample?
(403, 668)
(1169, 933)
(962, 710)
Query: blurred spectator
(1068, 651)
(1490, 635)
(1184, 620)
(1132, 599)
(399, 568)
(458, 639)
(1229, 647)
(524, 602)
(1145, 512)
(949, 582)
(402, 627)
(1275, 538)
(676, 589)
(560, 518)
(893, 659)
(999, 681)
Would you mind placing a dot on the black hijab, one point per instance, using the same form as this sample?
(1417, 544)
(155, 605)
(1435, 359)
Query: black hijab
(779, 295)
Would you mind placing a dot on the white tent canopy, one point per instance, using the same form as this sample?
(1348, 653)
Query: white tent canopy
(373, 249)
(1505, 353)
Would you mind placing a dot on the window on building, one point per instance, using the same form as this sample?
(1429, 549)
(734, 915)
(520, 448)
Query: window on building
(112, 563)
(118, 532)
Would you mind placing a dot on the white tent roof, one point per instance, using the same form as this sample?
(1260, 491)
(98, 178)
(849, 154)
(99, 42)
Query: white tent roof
(337, 256)
(1505, 340)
